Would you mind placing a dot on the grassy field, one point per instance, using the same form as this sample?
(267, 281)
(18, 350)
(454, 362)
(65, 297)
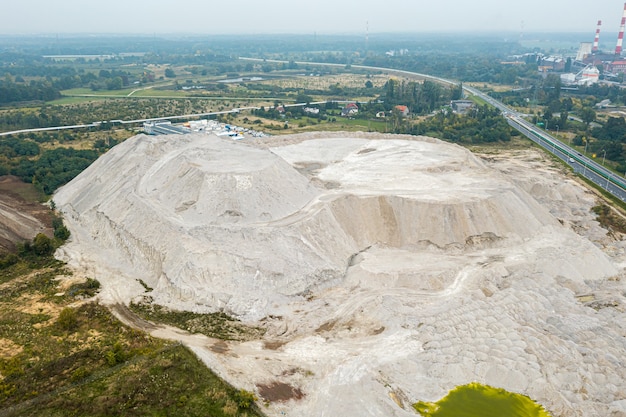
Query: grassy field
(63, 355)
(368, 125)
(216, 325)
(74, 100)
(26, 191)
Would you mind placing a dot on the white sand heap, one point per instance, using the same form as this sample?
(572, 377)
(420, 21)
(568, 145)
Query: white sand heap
(410, 254)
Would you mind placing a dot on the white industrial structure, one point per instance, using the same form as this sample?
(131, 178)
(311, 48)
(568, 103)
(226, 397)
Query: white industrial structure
(587, 76)
(584, 51)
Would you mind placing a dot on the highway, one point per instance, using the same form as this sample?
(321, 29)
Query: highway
(588, 168)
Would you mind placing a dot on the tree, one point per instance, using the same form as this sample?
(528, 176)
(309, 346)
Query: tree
(563, 120)
(169, 73)
(390, 88)
(115, 83)
(369, 84)
(457, 92)
(568, 65)
(588, 115)
(303, 98)
(613, 130)
(42, 245)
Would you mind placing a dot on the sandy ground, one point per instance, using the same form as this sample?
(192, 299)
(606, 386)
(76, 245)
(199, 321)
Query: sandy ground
(386, 269)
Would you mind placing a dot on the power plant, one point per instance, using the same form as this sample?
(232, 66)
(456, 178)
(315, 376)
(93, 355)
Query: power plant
(590, 58)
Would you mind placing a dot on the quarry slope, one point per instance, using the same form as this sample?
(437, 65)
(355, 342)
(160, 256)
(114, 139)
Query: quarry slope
(386, 269)
(20, 220)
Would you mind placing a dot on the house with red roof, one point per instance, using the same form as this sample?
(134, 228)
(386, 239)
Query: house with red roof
(350, 110)
(404, 110)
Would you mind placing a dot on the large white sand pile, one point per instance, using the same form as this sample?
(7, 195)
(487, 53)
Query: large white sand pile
(386, 270)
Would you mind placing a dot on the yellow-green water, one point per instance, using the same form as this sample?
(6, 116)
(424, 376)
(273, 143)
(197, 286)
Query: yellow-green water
(476, 400)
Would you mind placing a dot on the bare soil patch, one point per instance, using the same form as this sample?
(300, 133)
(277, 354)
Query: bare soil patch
(9, 348)
(22, 217)
(279, 391)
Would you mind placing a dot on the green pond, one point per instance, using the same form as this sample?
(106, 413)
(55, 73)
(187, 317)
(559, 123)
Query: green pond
(476, 400)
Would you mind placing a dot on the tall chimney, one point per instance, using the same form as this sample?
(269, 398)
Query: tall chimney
(620, 38)
(596, 41)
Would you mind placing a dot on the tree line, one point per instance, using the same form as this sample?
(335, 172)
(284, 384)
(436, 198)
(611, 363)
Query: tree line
(48, 169)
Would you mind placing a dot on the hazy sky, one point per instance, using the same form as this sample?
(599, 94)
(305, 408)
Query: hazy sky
(302, 16)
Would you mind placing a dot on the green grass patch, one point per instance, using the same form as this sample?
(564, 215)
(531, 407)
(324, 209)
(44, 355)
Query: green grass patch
(217, 325)
(479, 101)
(74, 100)
(477, 400)
(155, 93)
(59, 359)
(166, 382)
(77, 91)
(370, 124)
(27, 191)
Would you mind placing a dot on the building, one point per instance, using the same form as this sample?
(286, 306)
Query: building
(164, 128)
(350, 110)
(584, 51)
(568, 79)
(404, 110)
(461, 106)
(553, 63)
(617, 67)
(590, 75)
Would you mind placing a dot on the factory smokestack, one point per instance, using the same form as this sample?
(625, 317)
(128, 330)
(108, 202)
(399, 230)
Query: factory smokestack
(596, 41)
(620, 38)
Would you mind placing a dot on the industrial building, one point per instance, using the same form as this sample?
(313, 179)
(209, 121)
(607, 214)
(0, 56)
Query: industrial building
(164, 128)
(590, 55)
(590, 61)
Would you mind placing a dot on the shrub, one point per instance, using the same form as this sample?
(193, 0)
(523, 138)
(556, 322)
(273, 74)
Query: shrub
(67, 319)
(42, 245)
(8, 260)
(80, 374)
(60, 231)
(116, 355)
(86, 289)
(245, 399)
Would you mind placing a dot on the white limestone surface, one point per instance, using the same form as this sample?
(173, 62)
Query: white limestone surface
(386, 269)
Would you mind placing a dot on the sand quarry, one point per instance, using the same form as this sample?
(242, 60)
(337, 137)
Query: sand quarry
(386, 269)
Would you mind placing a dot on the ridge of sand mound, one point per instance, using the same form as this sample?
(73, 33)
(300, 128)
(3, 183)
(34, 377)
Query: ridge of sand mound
(215, 224)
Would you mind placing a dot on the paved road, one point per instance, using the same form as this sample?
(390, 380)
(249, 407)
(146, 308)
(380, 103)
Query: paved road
(582, 165)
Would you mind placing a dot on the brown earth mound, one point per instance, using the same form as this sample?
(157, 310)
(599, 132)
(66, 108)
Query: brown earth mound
(21, 216)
